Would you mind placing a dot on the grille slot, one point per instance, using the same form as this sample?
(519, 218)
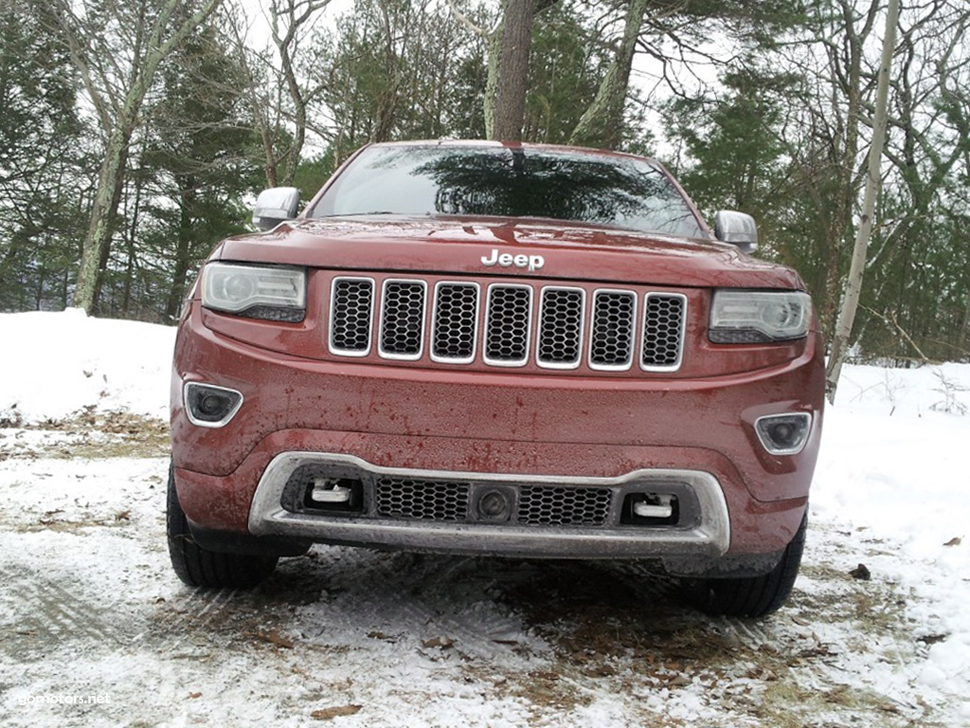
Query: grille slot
(455, 322)
(432, 500)
(559, 506)
(611, 338)
(507, 325)
(351, 311)
(664, 321)
(402, 319)
(561, 328)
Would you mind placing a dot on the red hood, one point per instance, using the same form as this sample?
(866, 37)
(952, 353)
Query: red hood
(451, 245)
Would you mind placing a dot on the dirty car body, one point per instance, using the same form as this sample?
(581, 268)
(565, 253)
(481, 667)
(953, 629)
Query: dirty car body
(511, 350)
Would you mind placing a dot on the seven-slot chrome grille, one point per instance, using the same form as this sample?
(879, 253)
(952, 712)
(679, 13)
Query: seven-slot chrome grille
(610, 329)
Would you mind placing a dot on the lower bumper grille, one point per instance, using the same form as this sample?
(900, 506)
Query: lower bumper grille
(553, 506)
(341, 499)
(442, 500)
(433, 500)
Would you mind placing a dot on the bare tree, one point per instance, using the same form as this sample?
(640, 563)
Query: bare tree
(850, 303)
(291, 20)
(279, 96)
(117, 50)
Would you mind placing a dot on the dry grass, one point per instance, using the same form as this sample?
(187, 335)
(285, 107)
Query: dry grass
(86, 435)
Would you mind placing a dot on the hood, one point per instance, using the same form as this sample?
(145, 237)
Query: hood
(514, 247)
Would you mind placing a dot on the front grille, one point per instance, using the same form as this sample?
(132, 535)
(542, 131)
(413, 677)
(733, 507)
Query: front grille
(602, 326)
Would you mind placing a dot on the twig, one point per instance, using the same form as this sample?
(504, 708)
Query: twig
(891, 321)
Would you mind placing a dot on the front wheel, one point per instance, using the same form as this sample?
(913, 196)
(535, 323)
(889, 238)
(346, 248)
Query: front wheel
(754, 596)
(197, 566)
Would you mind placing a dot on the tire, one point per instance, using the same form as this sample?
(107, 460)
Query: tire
(200, 567)
(755, 596)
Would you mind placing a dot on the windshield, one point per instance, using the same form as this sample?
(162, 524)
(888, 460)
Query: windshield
(510, 182)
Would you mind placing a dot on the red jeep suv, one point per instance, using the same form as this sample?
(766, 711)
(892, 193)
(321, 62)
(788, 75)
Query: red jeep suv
(502, 349)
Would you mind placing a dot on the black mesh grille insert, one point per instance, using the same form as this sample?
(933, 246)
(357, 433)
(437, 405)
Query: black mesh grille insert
(435, 500)
(351, 310)
(611, 345)
(663, 331)
(402, 318)
(507, 334)
(561, 506)
(455, 317)
(561, 327)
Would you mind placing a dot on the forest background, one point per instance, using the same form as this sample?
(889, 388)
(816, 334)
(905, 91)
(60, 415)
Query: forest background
(135, 135)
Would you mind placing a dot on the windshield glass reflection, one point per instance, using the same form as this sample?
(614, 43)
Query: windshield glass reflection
(510, 182)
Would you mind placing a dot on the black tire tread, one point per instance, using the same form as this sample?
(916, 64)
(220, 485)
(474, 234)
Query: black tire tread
(756, 596)
(200, 567)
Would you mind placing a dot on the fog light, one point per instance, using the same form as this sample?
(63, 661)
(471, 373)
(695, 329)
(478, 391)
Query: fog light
(784, 434)
(210, 406)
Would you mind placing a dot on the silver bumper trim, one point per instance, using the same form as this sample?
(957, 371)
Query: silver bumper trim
(709, 538)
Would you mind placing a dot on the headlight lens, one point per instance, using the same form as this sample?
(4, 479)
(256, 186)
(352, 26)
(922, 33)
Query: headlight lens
(753, 317)
(275, 294)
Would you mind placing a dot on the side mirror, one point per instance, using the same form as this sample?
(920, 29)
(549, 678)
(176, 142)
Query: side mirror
(736, 228)
(274, 206)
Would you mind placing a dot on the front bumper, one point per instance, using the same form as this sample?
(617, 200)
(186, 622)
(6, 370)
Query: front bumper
(505, 428)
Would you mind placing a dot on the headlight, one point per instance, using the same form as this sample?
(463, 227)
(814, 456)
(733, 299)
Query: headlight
(752, 317)
(275, 294)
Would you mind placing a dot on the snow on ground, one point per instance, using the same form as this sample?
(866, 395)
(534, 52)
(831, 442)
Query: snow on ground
(89, 606)
(56, 364)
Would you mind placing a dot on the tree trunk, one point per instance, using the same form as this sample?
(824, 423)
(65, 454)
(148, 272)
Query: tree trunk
(98, 240)
(508, 71)
(119, 111)
(850, 304)
(182, 251)
(602, 123)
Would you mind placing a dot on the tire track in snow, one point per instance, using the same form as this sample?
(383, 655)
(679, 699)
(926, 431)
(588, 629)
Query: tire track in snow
(39, 614)
(448, 601)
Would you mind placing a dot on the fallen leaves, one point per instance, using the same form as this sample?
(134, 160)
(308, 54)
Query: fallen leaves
(335, 712)
(443, 643)
(273, 637)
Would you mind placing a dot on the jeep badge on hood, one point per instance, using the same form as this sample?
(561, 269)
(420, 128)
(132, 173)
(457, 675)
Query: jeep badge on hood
(506, 260)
